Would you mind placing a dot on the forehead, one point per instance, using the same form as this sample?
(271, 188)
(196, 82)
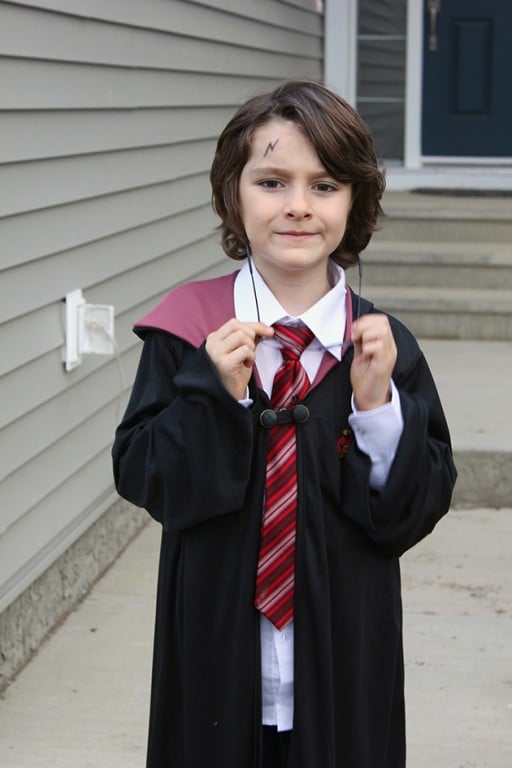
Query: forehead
(278, 137)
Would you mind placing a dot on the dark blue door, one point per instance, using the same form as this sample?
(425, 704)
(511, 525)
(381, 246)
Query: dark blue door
(467, 78)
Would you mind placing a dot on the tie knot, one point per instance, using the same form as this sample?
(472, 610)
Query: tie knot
(294, 339)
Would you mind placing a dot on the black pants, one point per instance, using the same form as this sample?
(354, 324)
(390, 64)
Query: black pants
(275, 747)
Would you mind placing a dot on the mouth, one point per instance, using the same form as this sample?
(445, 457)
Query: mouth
(297, 234)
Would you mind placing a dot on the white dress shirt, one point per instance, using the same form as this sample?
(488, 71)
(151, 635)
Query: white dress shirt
(377, 434)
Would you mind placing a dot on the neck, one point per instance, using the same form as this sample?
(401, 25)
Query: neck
(297, 292)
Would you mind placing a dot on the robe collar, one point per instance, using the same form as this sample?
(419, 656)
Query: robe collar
(193, 310)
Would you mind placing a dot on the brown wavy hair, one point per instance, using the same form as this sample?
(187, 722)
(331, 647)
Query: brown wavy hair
(342, 141)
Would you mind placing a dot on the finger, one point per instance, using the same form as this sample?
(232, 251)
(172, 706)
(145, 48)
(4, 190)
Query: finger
(372, 344)
(241, 338)
(231, 335)
(237, 354)
(261, 329)
(236, 336)
(377, 324)
(258, 331)
(252, 328)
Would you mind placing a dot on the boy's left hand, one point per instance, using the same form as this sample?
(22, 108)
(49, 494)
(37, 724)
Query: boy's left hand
(374, 359)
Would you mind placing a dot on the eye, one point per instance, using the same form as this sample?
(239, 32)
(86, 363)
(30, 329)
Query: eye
(324, 186)
(270, 183)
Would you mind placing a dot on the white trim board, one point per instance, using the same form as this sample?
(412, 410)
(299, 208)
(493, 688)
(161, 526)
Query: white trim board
(340, 47)
(413, 84)
(492, 162)
(449, 177)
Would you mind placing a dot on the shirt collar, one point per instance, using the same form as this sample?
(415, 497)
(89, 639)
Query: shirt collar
(326, 318)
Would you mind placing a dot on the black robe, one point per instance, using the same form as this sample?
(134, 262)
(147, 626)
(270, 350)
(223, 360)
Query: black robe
(195, 459)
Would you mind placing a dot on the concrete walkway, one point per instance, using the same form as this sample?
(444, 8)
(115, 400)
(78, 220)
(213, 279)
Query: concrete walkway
(82, 701)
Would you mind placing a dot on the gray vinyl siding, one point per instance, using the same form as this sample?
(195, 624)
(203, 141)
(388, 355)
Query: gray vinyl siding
(381, 54)
(109, 114)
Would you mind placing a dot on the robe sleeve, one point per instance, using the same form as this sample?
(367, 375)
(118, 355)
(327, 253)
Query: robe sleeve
(183, 450)
(422, 476)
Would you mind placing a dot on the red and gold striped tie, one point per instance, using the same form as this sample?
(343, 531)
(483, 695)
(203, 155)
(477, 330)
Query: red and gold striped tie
(275, 581)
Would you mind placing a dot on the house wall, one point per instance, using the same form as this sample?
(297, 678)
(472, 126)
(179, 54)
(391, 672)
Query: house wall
(109, 117)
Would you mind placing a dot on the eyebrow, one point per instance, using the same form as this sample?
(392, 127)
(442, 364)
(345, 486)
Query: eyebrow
(272, 170)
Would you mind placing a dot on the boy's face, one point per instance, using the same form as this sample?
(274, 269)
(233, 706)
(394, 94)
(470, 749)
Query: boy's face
(294, 213)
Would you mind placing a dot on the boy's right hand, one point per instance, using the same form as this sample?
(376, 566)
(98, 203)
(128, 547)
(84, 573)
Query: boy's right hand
(232, 350)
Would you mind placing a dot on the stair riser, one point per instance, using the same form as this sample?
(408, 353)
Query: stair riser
(453, 325)
(445, 230)
(435, 275)
(484, 479)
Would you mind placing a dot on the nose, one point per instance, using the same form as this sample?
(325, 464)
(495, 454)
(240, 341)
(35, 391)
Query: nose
(298, 205)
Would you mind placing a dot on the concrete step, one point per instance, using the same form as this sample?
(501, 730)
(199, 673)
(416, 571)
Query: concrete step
(438, 265)
(443, 265)
(473, 379)
(447, 313)
(433, 218)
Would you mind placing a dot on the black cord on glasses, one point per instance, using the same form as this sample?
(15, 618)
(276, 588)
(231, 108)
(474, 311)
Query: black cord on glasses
(249, 260)
(360, 271)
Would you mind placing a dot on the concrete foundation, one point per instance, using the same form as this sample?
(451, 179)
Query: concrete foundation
(38, 610)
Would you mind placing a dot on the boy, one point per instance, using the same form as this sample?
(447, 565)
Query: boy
(290, 439)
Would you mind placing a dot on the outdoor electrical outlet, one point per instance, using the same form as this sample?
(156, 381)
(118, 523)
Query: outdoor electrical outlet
(89, 329)
(71, 355)
(96, 329)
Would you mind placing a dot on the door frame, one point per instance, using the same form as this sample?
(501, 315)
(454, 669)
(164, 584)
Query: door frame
(340, 47)
(413, 84)
(340, 73)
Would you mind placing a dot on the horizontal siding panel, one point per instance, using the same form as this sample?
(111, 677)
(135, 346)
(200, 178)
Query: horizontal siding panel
(283, 12)
(30, 336)
(30, 236)
(216, 47)
(51, 468)
(185, 16)
(382, 17)
(35, 185)
(21, 287)
(31, 435)
(56, 85)
(35, 537)
(40, 135)
(18, 387)
(381, 69)
(386, 122)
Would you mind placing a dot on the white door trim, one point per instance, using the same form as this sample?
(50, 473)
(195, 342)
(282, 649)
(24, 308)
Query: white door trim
(340, 47)
(413, 84)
